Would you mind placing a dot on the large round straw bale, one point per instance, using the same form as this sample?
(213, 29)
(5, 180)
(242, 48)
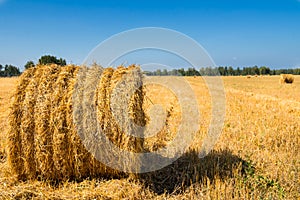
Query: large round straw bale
(53, 105)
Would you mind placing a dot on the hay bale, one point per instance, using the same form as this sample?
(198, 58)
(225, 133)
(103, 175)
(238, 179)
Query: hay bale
(286, 78)
(44, 141)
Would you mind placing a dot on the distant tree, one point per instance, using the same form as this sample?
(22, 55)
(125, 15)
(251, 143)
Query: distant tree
(174, 72)
(148, 73)
(202, 71)
(226, 71)
(1, 72)
(181, 72)
(221, 71)
(158, 72)
(238, 71)
(254, 70)
(231, 71)
(48, 59)
(297, 71)
(29, 64)
(209, 71)
(196, 73)
(164, 72)
(263, 70)
(190, 72)
(10, 70)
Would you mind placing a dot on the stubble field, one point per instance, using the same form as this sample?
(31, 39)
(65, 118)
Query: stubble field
(256, 157)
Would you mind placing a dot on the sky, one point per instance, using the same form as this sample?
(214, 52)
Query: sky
(239, 33)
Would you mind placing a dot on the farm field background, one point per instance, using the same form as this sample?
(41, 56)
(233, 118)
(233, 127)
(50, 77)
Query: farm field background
(257, 155)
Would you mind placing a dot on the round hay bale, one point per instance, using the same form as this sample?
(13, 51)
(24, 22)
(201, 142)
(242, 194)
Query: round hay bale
(286, 78)
(43, 139)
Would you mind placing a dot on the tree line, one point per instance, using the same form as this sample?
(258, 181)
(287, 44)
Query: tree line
(10, 70)
(223, 71)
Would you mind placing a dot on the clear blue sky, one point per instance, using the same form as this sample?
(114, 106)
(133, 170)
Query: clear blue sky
(238, 33)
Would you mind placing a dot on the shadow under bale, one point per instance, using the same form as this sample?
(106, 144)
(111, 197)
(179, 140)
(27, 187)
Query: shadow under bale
(190, 169)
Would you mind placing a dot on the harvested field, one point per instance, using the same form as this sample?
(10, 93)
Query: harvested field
(256, 157)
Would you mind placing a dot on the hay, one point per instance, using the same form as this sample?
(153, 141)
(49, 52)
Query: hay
(89, 118)
(58, 120)
(111, 104)
(43, 126)
(126, 100)
(15, 153)
(44, 141)
(80, 153)
(286, 78)
(28, 125)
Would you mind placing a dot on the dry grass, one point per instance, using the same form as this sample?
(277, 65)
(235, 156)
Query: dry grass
(257, 156)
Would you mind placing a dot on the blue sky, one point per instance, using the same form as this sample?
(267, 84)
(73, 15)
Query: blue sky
(238, 33)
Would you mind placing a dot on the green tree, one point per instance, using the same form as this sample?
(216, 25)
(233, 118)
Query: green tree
(29, 64)
(158, 72)
(192, 72)
(263, 70)
(255, 70)
(221, 71)
(48, 59)
(181, 72)
(174, 72)
(164, 72)
(1, 72)
(10, 70)
(231, 71)
(238, 71)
